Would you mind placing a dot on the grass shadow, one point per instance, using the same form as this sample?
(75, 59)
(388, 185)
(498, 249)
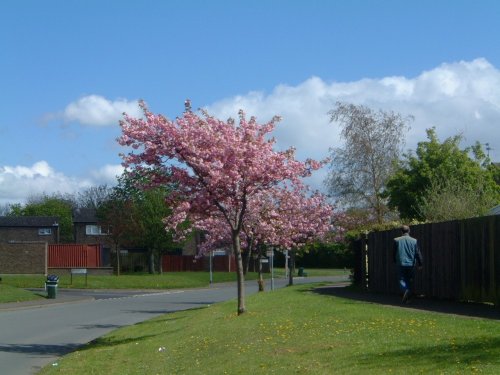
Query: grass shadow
(466, 309)
(482, 351)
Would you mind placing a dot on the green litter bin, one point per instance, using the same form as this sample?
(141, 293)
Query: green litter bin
(51, 286)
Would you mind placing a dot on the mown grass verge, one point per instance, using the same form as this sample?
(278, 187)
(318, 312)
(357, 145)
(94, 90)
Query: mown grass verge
(294, 330)
(168, 280)
(12, 294)
(172, 280)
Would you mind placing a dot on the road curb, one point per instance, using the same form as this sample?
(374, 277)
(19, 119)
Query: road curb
(35, 304)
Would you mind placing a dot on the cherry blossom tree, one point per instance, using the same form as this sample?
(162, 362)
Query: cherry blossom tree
(215, 167)
(302, 219)
(280, 217)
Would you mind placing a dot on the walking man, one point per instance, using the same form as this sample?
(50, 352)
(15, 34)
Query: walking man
(406, 255)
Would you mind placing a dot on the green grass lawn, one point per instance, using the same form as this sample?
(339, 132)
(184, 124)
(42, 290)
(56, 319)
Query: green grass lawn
(280, 272)
(12, 294)
(171, 280)
(293, 330)
(168, 280)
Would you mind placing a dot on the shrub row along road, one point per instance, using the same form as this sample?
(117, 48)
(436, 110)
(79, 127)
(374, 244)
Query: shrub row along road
(36, 335)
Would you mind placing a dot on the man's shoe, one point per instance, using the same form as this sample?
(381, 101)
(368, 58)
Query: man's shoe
(406, 296)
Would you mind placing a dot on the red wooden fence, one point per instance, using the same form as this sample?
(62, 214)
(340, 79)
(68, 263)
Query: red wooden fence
(74, 255)
(181, 263)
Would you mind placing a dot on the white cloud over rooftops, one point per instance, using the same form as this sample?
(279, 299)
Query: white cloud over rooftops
(18, 183)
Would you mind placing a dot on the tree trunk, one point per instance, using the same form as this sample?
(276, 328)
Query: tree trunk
(239, 272)
(248, 257)
(247, 261)
(292, 267)
(261, 278)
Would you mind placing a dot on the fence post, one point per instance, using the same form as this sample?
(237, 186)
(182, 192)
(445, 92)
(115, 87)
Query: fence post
(366, 262)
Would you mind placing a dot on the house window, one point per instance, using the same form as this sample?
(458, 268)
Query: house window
(93, 230)
(44, 231)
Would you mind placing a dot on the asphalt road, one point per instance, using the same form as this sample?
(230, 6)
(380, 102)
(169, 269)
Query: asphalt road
(34, 335)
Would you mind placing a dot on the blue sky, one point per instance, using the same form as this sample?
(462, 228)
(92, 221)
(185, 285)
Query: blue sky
(69, 68)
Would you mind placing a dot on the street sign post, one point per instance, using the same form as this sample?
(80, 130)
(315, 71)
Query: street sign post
(270, 254)
(79, 271)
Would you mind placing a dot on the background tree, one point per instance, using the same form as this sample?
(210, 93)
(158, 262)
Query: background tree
(452, 198)
(359, 170)
(6, 209)
(326, 255)
(94, 196)
(149, 211)
(116, 214)
(443, 182)
(54, 205)
(302, 219)
(135, 217)
(216, 165)
(495, 170)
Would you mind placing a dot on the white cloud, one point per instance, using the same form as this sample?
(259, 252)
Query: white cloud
(17, 183)
(96, 110)
(107, 174)
(461, 97)
(20, 182)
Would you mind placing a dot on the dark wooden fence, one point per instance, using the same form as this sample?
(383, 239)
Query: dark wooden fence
(461, 260)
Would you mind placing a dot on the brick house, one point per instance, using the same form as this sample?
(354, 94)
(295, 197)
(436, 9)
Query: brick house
(86, 231)
(29, 228)
(86, 228)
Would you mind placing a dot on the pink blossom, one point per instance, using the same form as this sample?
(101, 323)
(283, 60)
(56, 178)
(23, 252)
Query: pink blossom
(226, 177)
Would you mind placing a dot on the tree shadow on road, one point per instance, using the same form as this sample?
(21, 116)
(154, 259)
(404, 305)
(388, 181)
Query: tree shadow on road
(204, 305)
(100, 326)
(40, 349)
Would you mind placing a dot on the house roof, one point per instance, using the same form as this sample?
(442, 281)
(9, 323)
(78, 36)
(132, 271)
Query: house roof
(28, 221)
(84, 215)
